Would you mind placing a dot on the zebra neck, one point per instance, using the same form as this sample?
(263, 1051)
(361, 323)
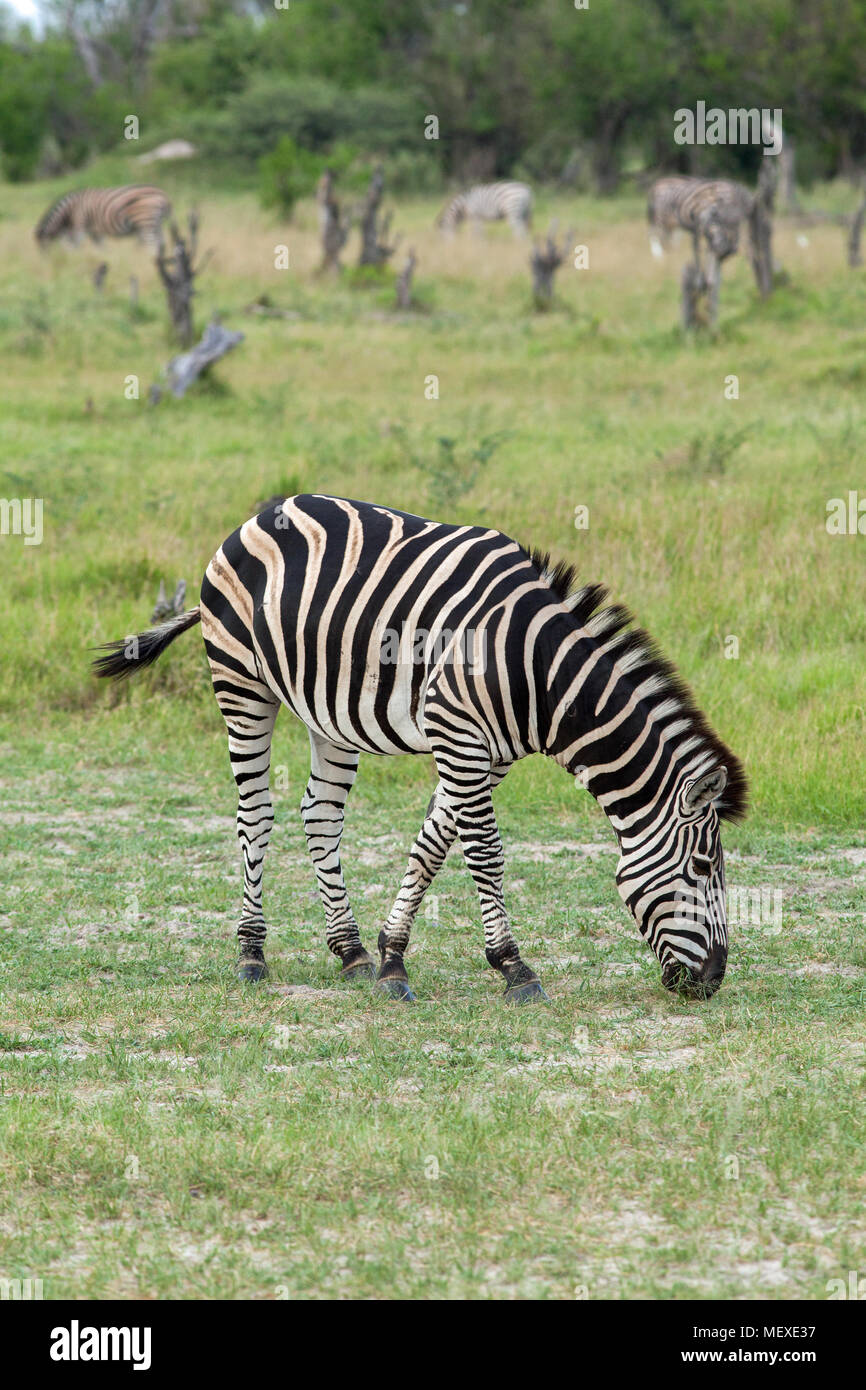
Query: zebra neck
(618, 735)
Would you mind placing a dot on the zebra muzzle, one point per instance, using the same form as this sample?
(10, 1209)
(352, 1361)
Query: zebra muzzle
(699, 983)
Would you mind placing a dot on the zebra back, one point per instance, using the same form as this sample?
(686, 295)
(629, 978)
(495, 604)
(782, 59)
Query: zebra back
(131, 209)
(490, 202)
(689, 202)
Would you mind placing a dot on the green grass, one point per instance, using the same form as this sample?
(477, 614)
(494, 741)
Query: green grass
(164, 1132)
(167, 1132)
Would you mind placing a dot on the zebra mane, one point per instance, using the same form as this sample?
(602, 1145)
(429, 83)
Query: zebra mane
(636, 652)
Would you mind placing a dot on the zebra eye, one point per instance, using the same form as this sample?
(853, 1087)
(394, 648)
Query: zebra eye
(701, 867)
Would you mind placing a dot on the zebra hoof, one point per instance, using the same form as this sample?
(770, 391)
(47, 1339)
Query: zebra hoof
(525, 994)
(251, 970)
(397, 989)
(361, 970)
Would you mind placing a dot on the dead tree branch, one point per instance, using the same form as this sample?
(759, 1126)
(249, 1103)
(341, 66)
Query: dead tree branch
(404, 281)
(547, 256)
(375, 249)
(761, 227)
(168, 607)
(184, 369)
(177, 272)
(854, 235)
(334, 228)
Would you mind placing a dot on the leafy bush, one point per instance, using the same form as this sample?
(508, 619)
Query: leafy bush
(287, 174)
(314, 113)
(409, 172)
(290, 172)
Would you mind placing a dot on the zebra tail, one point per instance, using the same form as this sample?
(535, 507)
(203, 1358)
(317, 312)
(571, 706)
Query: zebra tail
(125, 658)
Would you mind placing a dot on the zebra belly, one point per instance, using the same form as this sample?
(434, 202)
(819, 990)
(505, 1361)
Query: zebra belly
(352, 727)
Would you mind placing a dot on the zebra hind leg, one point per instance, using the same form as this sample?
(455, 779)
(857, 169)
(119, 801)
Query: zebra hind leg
(250, 712)
(332, 774)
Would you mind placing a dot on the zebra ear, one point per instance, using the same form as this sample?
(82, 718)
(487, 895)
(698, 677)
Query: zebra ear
(703, 790)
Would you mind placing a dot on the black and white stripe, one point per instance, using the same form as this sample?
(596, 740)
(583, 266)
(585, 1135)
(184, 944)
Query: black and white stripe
(133, 210)
(387, 633)
(712, 209)
(490, 202)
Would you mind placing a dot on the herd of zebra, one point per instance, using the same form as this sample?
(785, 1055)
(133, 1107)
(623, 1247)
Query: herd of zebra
(140, 210)
(388, 633)
(711, 210)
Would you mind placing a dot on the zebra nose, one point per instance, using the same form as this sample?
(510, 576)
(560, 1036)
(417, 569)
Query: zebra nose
(713, 970)
(703, 982)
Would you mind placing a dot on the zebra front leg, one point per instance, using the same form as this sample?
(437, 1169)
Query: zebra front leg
(714, 275)
(332, 773)
(426, 858)
(472, 808)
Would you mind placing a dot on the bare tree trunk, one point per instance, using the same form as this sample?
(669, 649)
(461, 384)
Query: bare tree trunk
(547, 256)
(761, 227)
(789, 177)
(144, 33)
(87, 54)
(404, 282)
(99, 275)
(374, 237)
(333, 227)
(854, 256)
(178, 272)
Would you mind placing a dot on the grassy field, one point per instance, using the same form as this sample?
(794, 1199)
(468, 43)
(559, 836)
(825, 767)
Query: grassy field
(164, 1132)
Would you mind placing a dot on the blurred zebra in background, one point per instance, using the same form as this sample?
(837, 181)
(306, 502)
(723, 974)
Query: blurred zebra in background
(134, 210)
(490, 202)
(711, 209)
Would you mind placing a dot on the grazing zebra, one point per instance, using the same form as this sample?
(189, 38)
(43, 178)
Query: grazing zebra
(387, 633)
(136, 209)
(708, 208)
(490, 202)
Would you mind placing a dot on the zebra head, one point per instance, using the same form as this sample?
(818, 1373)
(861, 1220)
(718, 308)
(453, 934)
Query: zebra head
(672, 880)
(721, 232)
(41, 233)
(451, 216)
(56, 221)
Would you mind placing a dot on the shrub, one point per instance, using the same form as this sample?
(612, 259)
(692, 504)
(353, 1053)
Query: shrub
(287, 174)
(314, 113)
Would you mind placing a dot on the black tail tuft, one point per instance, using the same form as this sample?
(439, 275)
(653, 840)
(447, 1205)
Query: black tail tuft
(124, 658)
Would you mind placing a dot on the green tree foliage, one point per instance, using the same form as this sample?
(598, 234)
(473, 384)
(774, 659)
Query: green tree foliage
(205, 71)
(290, 172)
(47, 99)
(287, 174)
(528, 84)
(312, 111)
